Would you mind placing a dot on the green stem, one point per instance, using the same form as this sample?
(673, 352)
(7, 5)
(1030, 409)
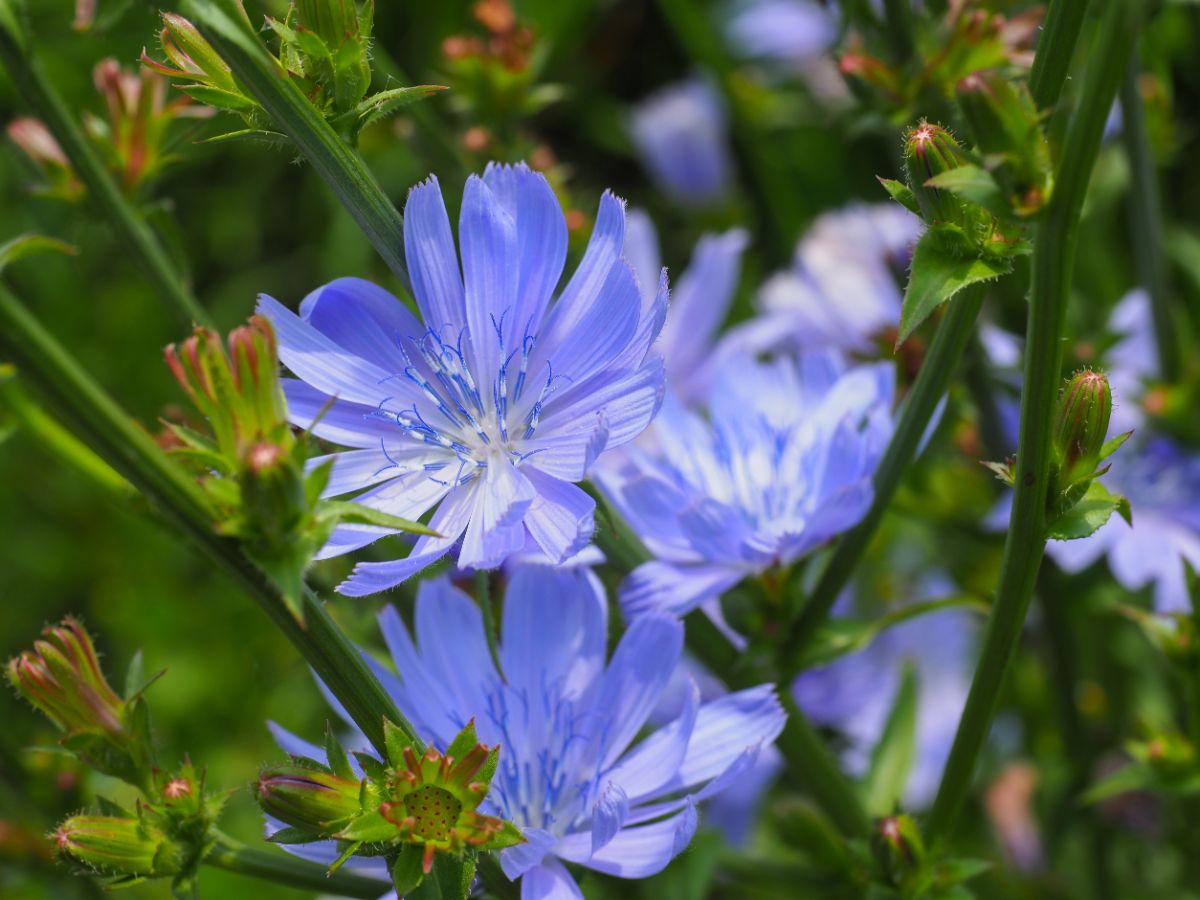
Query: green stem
(483, 596)
(1053, 264)
(1055, 50)
(125, 446)
(280, 868)
(130, 228)
(930, 386)
(223, 26)
(898, 25)
(1146, 221)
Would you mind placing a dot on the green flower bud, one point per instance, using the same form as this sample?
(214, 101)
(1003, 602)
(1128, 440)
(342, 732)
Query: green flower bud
(334, 21)
(1082, 424)
(930, 150)
(308, 798)
(61, 677)
(899, 848)
(1003, 121)
(118, 846)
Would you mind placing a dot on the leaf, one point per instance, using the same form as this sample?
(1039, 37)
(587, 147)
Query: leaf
(27, 245)
(975, 185)
(936, 276)
(293, 835)
(1087, 516)
(841, 636)
(372, 768)
(508, 836)
(892, 758)
(396, 740)
(406, 870)
(1133, 777)
(901, 193)
(387, 103)
(1111, 447)
(345, 855)
(336, 754)
(346, 511)
(218, 98)
(135, 675)
(247, 134)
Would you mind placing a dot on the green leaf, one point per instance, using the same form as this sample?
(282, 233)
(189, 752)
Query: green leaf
(1133, 777)
(135, 675)
(370, 828)
(397, 741)
(892, 759)
(348, 512)
(902, 194)
(219, 98)
(406, 869)
(974, 184)
(1111, 447)
(27, 245)
(345, 855)
(508, 836)
(272, 138)
(1086, 517)
(386, 103)
(372, 768)
(336, 754)
(936, 276)
(293, 835)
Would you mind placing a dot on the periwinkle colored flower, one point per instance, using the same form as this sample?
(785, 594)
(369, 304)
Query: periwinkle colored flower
(791, 32)
(681, 134)
(843, 288)
(496, 401)
(783, 464)
(700, 299)
(855, 693)
(571, 775)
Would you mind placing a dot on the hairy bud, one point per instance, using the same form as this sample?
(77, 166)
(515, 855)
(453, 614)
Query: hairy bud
(1082, 424)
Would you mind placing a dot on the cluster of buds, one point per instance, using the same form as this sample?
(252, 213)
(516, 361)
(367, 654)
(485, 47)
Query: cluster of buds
(61, 677)
(253, 467)
(947, 50)
(134, 138)
(1006, 128)
(413, 806)
(905, 867)
(166, 835)
(324, 47)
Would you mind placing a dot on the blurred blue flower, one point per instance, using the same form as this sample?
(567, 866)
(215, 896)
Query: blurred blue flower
(571, 774)
(855, 693)
(784, 464)
(493, 403)
(843, 288)
(791, 32)
(700, 299)
(681, 134)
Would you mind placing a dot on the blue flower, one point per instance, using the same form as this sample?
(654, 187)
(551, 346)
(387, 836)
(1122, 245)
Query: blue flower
(842, 289)
(792, 32)
(571, 774)
(496, 400)
(784, 464)
(681, 135)
(700, 299)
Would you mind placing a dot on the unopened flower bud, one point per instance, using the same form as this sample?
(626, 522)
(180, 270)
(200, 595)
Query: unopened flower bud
(1082, 425)
(930, 150)
(35, 141)
(1003, 122)
(118, 846)
(61, 677)
(333, 20)
(899, 847)
(307, 798)
(273, 493)
(192, 56)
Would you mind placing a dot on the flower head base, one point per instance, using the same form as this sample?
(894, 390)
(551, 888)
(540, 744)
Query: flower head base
(61, 677)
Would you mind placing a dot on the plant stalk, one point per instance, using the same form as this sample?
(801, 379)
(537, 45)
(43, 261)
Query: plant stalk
(1055, 50)
(279, 868)
(1053, 264)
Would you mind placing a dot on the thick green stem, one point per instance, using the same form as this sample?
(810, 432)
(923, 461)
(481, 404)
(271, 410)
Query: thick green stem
(125, 446)
(130, 228)
(1055, 50)
(1146, 222)
(279, 868)
(222, 24)
(1053, 263)
(930, 386)
(898, 20)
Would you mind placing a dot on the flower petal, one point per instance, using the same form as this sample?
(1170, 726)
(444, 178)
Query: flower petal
(561, 517)
(568, 453)
(431, 257)
(656, 760)
(363, 319)
(491, 269)
(516, 861)
(338, 421)
(549, 881)
(659, 586)
(503, 498)
(629, 401)
(608, 815)
(635, 852)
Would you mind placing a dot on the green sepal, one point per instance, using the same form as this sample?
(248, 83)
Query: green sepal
(407, 872)
(336, 754)
(293, 835)
(508, 836)
(396, 741)
(370, 828)
(1085, 517)
(111, 808)
(218, 98)
(1111, 447)
(272, 138)
(464, 742)
(902, 194)
(975, 185)
(892, 758)
(936, 276)
(345, 855)
(372, 768)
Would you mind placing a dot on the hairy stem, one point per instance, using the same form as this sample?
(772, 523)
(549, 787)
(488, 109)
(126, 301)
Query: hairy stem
(1053, 263)
(1055, 50)
(280, 868)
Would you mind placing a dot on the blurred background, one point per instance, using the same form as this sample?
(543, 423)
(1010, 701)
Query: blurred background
(555, 82)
